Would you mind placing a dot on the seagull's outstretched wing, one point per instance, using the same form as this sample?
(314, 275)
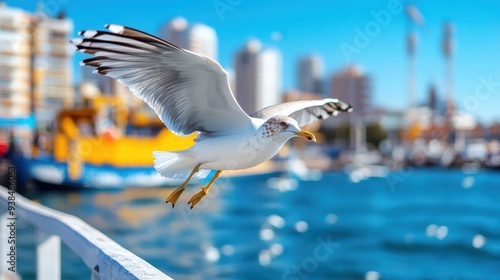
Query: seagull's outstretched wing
(189, 92)
(305, 112)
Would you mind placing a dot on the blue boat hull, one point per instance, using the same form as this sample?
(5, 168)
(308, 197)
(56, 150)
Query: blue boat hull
(48, 171)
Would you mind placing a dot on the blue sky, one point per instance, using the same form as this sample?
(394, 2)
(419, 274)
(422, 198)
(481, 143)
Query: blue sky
(321, 27)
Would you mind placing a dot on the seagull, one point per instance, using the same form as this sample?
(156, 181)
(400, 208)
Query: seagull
(190, 93)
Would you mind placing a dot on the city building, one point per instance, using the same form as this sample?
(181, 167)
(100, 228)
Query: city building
(52, 65)
(309, 74)
(35, 56)
(15, 65)
(201, 39)
(353, 86)
(173, 31)
(197, 37)
(258, 76)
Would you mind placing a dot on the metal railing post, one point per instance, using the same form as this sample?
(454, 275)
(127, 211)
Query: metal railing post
(48, 256)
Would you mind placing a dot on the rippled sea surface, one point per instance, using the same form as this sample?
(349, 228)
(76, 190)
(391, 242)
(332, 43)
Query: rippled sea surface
(416, 224)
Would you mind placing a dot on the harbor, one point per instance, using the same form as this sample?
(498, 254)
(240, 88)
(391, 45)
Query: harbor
(338, 140)
(285, 228)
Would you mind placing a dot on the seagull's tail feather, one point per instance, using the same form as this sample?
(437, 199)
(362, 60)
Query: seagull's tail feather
(176, 165)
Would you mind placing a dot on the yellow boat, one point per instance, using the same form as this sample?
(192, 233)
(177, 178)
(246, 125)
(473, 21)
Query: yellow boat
(102, 145)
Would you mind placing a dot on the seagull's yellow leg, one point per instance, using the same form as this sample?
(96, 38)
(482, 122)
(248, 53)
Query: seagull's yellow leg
(199, 195)
(174, 196)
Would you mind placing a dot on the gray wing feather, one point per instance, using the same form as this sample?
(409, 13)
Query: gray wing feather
(189, 92)
(305, 112)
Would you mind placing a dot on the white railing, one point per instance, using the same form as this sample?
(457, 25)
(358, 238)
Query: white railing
(105, 258)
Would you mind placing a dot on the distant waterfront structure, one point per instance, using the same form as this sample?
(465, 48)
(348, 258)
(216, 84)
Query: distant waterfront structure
(432, 98)
(202, 39)
(414, 19)
(411, 45)
(451, 114)
(353, 86)
(197, 37)
(258, 76)
(52, 65)
(448, 49)
(309, 74)
(34, 63)
(15, 64)
(245, 65)
(435, 101)
(173, 31)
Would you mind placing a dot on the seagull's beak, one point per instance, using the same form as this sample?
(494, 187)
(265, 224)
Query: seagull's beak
(306, 134)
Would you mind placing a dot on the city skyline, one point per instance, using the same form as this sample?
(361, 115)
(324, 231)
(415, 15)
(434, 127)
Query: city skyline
(325, 29)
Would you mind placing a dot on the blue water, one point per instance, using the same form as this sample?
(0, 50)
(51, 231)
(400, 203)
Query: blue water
(416, 224)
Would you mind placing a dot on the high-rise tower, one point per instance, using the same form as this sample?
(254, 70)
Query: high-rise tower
(197, 37)
(258, 76)
(448, 49)
(309, 76)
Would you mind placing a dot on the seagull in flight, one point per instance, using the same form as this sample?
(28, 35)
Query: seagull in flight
(190, 93)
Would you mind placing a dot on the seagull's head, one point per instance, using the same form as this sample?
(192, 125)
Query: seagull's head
(284, 127)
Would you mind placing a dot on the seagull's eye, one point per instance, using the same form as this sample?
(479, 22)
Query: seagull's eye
(283, 124)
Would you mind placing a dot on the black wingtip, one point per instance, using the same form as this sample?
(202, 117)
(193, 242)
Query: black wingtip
(103, 70)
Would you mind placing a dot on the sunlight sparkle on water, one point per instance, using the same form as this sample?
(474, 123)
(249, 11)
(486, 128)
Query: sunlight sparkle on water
(264, 257)
(276, 249)
(276, 221)
(283, 184)
(331, 219)
(372, 275)
(478, 241)
(212, 254)
(227, 250)
(301, 226)
(266, 234)
(468, 182)
(442, 232)
(431, 230)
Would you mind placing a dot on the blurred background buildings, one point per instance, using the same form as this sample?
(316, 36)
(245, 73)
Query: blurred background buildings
(35, 63)
(196, 37)
(258, 76)
(310, 74)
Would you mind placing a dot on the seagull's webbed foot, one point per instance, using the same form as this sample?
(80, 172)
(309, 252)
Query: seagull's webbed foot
(174, 196)
(199, 195)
